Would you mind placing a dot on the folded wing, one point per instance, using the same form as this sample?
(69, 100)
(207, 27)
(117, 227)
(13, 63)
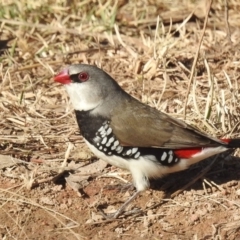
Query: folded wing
(143, 126)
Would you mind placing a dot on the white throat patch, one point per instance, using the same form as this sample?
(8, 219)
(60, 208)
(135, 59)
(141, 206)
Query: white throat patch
(82, 97)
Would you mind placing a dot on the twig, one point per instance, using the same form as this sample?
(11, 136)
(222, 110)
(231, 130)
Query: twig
(226, 21)
(196, 58)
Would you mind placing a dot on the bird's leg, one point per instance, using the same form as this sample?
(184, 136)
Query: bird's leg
(122, 208)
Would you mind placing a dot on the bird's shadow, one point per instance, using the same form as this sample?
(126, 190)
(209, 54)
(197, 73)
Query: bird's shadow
(225, 169)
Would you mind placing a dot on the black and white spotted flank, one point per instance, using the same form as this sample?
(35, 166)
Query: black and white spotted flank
(106, 142)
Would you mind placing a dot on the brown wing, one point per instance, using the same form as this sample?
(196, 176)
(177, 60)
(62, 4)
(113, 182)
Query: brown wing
(139, 125)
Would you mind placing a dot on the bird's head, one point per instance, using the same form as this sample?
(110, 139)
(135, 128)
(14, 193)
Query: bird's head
(88, 86)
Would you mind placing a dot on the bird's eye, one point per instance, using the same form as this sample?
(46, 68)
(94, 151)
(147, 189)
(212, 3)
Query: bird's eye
(83, 76)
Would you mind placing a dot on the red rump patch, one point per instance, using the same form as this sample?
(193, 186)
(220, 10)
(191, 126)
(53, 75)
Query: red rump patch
(187, 153)
(225, 140)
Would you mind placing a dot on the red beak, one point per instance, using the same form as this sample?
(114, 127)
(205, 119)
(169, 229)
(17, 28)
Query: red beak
(63, 77)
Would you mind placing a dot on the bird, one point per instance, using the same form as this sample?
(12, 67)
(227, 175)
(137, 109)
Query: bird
(129, 134)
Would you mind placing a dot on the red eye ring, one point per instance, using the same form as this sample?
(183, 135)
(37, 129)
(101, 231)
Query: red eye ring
(83, 76)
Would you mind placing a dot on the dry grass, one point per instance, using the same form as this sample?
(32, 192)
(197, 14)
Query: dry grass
(151, 57)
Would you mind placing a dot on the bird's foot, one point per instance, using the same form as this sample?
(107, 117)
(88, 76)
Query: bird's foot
(115, 215)
(122, 208)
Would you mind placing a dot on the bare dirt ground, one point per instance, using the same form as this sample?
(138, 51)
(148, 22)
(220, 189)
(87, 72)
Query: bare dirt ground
(51, 186)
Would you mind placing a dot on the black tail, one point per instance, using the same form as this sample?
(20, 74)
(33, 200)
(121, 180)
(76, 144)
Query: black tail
(233, 143)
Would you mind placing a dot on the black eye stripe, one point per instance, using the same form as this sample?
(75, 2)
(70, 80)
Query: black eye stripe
(74, 77)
